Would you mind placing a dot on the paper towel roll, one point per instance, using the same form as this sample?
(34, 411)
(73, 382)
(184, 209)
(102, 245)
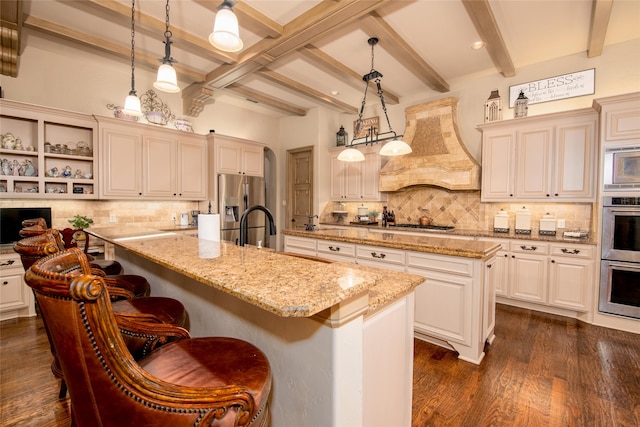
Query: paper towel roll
(208, 249)
(209, 227)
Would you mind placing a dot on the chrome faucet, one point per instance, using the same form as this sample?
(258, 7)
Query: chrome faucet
(244, 226)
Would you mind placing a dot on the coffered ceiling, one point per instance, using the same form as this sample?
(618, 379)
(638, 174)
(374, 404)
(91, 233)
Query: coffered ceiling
(302, 53)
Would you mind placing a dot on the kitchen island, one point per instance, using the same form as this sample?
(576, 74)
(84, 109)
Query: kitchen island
(339, 337)
(454, 308)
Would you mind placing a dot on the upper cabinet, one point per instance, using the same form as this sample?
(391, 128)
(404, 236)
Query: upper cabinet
(357, 181)
(542, 158)
(620, 118)
(47, 153)
(145, 161)
(239, 157)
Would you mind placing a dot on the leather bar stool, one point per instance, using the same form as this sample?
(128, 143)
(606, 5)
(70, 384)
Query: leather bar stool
(166, 316)
(134, 283)
(215, 381)
(111, 267)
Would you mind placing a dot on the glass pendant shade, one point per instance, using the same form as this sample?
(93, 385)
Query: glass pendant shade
(351, 155)
(397, 147)
(132, 105)
(167, 80)
(225, 35)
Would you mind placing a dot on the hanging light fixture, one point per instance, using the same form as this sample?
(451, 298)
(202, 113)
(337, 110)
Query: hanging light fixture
(132, 102)
(167, 80)
(225, 35)
(395, 146)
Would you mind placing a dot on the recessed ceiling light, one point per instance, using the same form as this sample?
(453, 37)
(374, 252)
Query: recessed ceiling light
(335, 92)
(477, 45)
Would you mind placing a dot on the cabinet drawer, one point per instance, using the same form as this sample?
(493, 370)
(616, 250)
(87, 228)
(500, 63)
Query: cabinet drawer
(300, 245)
(336, 248)
(10, 264)
(573, 251)
(529, 247)
(11, 292)
(382, 255)
(440, 263)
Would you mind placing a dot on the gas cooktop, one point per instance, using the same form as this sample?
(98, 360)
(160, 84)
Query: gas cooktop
(428, 227)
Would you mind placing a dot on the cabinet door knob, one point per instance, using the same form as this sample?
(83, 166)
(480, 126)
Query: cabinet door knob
(489, 266)
(5, 282)
(553, 261)
(513, 256)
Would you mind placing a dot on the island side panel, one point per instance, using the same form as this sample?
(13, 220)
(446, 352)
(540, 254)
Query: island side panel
(314, 366)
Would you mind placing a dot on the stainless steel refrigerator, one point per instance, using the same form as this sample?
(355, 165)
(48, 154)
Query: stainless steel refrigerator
(236, 193)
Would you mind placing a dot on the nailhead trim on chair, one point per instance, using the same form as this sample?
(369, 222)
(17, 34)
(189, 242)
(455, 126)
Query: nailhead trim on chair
(150, 339)
(87, 327)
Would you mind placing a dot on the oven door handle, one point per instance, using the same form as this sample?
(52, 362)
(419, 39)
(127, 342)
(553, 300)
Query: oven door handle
(629, 266)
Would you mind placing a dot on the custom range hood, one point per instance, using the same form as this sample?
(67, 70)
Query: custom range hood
(439, 157)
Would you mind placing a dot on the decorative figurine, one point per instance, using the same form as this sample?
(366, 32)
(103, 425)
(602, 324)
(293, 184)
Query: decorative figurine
(66, 172)
(16, 169)
(6, 167)
(29, 170)
(8, 141)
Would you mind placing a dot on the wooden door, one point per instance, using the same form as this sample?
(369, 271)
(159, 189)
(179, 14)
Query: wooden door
(300, 187)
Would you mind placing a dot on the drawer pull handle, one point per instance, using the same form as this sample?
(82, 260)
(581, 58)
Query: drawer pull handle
(375, 255)
(5, 283)
(571, 251)
(9, 262)
(528, 248)
(336, 249)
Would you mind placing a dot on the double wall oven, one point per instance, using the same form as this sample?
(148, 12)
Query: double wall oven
(620, 264)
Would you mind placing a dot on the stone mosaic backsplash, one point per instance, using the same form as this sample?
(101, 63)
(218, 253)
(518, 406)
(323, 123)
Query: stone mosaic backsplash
(461, 209)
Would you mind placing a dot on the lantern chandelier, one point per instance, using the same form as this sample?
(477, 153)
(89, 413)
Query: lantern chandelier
(167, 80)
(226, 35)
(395, 146)
(132, 102)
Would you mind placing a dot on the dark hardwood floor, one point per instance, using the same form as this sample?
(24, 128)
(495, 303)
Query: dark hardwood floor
(542, 370)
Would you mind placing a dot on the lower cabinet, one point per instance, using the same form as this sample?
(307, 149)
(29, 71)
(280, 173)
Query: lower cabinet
(16, 298)
(455, 307)
(545, 275)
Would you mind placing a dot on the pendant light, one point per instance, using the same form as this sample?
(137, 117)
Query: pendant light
(395, 146)
(167, 80)
(225, 35)
(132, 102)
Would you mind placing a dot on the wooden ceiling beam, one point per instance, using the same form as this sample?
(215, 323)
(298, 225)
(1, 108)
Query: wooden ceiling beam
(485, 22)
(10, 35)
(600, 14)
(106, 46)
(395, 45)
(307, 91)
(324, 17)
(194, 98)
(261, 98)
(152, 26)
(337, 69)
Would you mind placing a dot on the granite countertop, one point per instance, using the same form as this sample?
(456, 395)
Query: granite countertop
(559, 238)
(285, 285)
(441, 245)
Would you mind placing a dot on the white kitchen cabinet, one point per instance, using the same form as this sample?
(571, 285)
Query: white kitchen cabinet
(155, 164)
(571, 270)
(501, 267)
(337, 251)
(541, 158)
(239, 157)
(544, 276)
(56, 157)
(454, 303)
(528, 271)
(16, 298)
(357, 181)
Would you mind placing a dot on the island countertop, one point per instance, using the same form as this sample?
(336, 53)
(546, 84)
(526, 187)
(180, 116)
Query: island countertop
(431, 244)
(285, 285)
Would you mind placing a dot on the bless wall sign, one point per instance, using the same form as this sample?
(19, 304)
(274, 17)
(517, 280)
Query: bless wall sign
(570, 85)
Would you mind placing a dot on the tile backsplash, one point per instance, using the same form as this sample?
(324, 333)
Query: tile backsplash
(461, 209)
(127, 212)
